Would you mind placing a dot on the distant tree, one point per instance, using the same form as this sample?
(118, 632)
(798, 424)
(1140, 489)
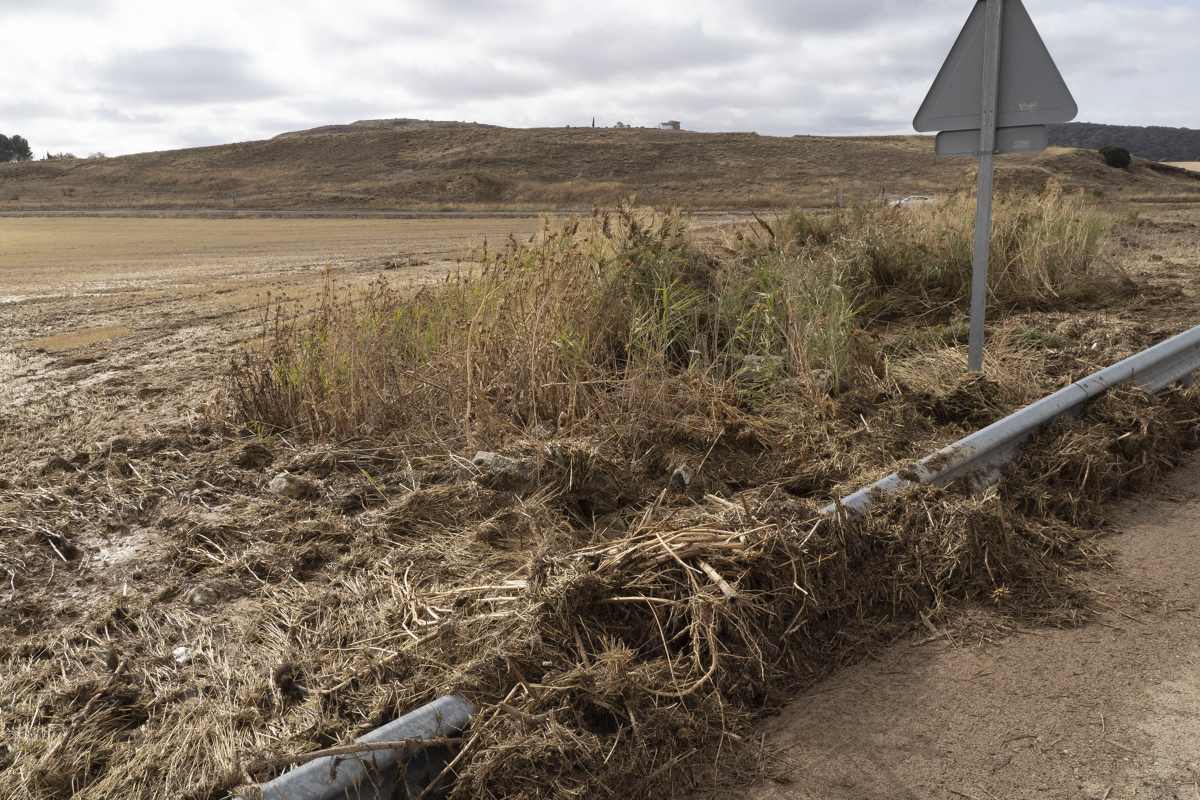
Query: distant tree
(60, 156)
(14, 148)
(1117, 157)
(21, 149)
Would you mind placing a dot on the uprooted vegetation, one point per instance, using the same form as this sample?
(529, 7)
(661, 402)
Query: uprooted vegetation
(634, 565)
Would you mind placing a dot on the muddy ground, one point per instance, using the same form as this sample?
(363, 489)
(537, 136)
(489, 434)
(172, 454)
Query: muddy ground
(114, 335)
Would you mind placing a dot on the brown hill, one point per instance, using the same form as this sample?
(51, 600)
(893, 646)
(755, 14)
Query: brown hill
(409, 164)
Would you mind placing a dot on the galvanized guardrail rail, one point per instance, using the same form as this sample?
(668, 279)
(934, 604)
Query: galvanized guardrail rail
(378, 775)
(980, 455)
(381, 774)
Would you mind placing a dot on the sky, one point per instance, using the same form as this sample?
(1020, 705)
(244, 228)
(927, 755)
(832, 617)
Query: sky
(123, 76)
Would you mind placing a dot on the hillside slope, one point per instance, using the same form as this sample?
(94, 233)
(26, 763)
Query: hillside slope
(407, 164)
(1153, 142)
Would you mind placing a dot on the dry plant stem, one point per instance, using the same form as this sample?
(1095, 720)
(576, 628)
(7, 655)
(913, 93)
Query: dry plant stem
(446, 770)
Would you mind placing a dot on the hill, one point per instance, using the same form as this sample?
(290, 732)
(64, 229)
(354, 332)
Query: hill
(410, 164)
(1153, 142)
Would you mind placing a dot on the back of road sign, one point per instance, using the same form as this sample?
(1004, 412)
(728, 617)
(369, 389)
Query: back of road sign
(1032, 90)
(1025, 139)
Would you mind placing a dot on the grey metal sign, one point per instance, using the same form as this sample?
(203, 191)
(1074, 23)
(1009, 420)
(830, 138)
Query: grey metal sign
(1023, 139)
(997, 90)
(1031, 90)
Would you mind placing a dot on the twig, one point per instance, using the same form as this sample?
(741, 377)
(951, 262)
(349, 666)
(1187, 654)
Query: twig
(462, 751)
(721, 583)
(1123, 747)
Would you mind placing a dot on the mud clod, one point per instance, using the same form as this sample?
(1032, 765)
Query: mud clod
(287, 485)
(501, 472)
(254, 456)
(56, 464)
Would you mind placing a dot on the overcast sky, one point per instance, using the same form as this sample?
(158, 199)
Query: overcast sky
(125, 76)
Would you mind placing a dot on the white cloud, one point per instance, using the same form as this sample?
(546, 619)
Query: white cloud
(129, 75)
(188, 75)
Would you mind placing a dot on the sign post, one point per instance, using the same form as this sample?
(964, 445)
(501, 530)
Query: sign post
(995, 94)
(983, 198)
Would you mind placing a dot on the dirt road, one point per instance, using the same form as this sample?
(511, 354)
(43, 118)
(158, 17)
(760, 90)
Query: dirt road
(1109, 711)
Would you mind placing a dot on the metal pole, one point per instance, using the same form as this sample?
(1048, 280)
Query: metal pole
(983, 200)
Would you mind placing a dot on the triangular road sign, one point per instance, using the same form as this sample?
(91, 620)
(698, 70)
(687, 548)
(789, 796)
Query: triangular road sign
(1032, 91)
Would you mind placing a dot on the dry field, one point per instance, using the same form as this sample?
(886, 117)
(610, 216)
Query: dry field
(153, 304)
(407, 164)
(136, 514)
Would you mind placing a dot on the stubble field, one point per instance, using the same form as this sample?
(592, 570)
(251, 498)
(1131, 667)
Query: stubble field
(151, 304)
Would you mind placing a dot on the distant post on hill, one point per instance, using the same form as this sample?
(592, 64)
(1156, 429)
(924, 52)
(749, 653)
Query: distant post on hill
(996, 92)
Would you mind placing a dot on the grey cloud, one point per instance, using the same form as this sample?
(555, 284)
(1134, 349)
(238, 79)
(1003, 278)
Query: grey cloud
(471, 81)
(377, 33)
(463, 9)
(110, 114)
(28, 109)
(333, 111)
(826, 16)
(89, 8)
(775, 66)
(635, 50)
(185, 76)
(428, 19)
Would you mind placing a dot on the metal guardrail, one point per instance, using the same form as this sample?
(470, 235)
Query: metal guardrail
(381, 774)
(375, 777)
(980, 455)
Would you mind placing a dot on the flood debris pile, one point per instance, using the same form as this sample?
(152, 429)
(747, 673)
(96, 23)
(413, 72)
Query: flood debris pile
(579, 486)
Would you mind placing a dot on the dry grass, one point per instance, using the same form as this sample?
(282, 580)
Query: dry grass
(406, 164)
(1044, 251)
(627, 654)
(618, 317)
(620, 322)
(619, 629)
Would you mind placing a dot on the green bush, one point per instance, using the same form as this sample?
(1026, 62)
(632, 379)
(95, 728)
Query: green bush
(1117, 157)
